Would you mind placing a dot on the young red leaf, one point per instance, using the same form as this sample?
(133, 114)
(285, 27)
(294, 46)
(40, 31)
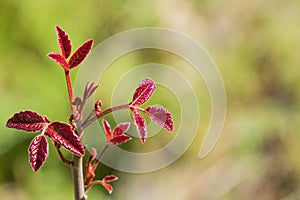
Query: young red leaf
(38, 152)
(119, 139)
(27, 121)
(93, 153)
(107, 129)
(160, 116)
(121, 129)
(90, 171)
(110, 178)
(118, 136)
(64, 42)
(92, 157)
(80, 54)
(105, 182)
(108, 187)
(140, 123)
(143, 92)
(59, 59)
(63, 134)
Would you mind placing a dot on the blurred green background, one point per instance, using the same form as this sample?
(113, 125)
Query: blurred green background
(256, 46)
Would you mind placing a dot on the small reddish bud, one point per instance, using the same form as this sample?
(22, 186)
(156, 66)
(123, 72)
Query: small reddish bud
(93, 153)
(72, 121)
(97, 108)
(77, 101)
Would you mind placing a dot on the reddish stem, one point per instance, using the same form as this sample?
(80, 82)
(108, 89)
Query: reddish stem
(62, 157)
(89, 179)
(93, 117)
(95, 165)
(109, 110)
(70, 89)
(77, 161)
(93, 183)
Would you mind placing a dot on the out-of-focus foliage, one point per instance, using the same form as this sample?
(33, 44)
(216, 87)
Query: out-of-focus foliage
(256, 46)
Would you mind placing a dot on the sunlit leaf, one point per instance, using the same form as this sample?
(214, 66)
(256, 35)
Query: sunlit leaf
(27, 121)
(107, 129)
(160, 116)
(140, 123)
(119, 139)
(105, 182)
(117, 136)
(64, 135)
(38, 152)
(59, 59)
(121, 128)
(80, 54)
(108, 187)
(64, 42)
(143, 92)
(110, 178)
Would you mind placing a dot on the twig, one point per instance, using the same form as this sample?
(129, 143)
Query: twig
(62, 157)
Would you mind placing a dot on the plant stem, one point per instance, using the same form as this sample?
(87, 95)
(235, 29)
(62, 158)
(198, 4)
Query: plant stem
(70, 90)
(77, 169)
(90, 120)
(62, 157)
(95, 165)
(109, 110)
(78, 179)
(90, 182)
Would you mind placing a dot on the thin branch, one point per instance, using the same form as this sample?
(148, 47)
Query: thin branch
(95, 165)
(92, 117)
(62, 157)
(90, 169)
(87, 187)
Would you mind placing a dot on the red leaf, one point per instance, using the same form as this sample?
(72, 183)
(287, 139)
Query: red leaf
(108, 187)
(119, 139)
(27, 121)
(110, 178)
(160, 116)
(118, 136)
(63, 134)
(38, 152)
(80, 54)
(121, 129)
(140, 123)
(64, 42)
(59, 59)
(93, 153)
(90, 174)
(107, 129)
(143, 92)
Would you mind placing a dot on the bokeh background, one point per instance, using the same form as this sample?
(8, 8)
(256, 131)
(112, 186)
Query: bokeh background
(256, 46)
